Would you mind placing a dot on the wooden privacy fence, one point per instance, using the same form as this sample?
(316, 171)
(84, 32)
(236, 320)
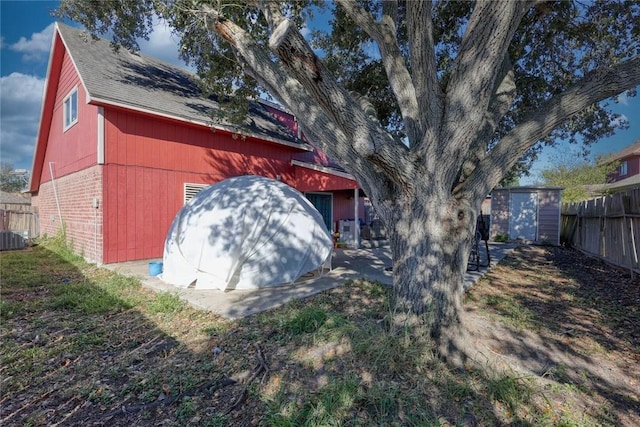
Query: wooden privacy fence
(608, 227)
(18, 224)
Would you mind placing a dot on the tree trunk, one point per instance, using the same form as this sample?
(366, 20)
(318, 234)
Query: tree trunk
(430, 242)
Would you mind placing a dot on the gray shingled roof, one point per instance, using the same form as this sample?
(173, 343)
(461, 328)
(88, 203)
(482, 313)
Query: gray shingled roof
(631, 150)
(141, 82)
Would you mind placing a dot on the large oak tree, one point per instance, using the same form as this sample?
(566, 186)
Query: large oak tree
(429, 104)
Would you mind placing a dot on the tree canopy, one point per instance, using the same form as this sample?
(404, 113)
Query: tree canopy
(579, 178)
(12, 180)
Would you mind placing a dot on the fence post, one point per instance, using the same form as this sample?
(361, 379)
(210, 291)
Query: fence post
(631, 243)
(603, 226)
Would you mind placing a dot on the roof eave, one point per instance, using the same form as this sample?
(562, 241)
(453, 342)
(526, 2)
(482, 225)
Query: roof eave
(323, 169)
(302, 146)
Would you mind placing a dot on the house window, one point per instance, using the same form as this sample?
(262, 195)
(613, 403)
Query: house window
(623, 168)
(70, 109)
(190, 190)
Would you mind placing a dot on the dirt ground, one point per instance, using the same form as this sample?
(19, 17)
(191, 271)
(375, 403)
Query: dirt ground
(573, 321)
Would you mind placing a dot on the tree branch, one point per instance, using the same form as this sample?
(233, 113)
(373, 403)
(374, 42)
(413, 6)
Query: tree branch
(594, 87)
(501, 101)
(424, 69)
(368, 138)
(384, 34)
(256, 61)
(336, 121)
(489, 32)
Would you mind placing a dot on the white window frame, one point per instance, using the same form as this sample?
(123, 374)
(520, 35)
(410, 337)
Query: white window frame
(68, 119)
(624, 168)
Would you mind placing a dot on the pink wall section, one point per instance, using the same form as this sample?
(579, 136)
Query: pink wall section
(343, 205)
(140, 204)
(136, 139)
(306, 179)
(287, 119)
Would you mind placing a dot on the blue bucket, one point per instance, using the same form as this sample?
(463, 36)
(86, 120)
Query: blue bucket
(155, 268)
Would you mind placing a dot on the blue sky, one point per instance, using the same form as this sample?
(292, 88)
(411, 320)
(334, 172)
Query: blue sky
(25, 39)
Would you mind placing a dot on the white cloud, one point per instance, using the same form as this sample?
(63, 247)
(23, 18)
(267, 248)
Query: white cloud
(623, 99)
(162, 43)
(306, 32)
(620, 121)
(20, 103)
(37, 47)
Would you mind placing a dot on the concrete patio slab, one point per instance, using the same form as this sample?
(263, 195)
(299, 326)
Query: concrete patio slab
(372, 263)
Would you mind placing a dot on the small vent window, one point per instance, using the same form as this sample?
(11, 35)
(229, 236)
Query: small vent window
(190, 190)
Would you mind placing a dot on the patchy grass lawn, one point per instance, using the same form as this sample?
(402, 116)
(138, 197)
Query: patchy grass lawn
(81, 345)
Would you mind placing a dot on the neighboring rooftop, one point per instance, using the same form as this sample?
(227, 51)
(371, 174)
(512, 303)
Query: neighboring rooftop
(626, 184)
(632, 150)
(14, 198)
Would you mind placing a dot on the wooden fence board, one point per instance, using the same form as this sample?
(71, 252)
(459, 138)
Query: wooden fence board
(22, 219)
(608, 227)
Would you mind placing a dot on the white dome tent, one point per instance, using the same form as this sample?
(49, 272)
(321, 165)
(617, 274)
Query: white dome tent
(243, 233)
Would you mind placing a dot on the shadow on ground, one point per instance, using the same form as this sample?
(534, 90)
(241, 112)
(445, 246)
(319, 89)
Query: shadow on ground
(572, 320)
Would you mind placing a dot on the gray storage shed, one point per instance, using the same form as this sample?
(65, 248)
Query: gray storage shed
(531, 214)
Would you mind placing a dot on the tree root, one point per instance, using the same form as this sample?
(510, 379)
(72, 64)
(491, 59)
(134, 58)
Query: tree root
(261, 368)
(454, 343)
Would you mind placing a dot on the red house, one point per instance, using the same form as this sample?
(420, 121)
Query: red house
(629, 160)
(125, 139)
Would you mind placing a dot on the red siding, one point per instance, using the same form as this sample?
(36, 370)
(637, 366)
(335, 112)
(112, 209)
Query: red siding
(633, 168)
(311, 180)
(287, 119)
(138, 140)
(76, 148)
(148, 163)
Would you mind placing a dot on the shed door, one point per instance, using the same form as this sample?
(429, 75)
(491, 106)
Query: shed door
(523, 216)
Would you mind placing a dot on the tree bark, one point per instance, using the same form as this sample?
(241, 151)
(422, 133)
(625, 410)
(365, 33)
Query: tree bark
(430, 237)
